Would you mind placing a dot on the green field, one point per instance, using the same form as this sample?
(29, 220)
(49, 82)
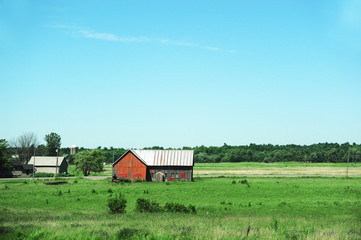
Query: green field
(262, 208)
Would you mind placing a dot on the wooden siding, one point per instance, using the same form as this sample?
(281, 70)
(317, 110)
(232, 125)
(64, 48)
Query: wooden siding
(171, 173)
(130, 167)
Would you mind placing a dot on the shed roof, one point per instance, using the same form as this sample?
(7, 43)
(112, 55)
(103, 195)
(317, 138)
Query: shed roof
(163, 157)
(45, 161)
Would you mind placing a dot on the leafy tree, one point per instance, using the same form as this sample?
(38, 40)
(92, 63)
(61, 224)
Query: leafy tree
(89, 161)
(53, 142)
(5, 158)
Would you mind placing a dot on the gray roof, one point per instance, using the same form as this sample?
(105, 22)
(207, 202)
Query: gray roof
(163, 157)
(45, 161)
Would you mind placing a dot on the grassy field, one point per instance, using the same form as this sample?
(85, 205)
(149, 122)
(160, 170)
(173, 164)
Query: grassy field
(279, 168)
(254, 168)
(227, 208)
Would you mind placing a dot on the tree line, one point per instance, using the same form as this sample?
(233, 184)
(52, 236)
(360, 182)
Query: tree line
(268, 153)
(26, 145)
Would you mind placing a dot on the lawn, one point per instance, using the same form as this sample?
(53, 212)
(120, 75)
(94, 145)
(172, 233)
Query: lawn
(227, 208)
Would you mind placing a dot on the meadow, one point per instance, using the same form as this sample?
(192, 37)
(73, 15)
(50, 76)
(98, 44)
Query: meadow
(277, 168)
(227, 208)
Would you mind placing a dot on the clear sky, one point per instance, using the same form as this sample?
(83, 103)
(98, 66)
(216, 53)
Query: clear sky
(181, 73)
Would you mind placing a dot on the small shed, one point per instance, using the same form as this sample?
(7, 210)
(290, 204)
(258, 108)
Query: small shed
(20, 169)
(155, 165)
(48, 164)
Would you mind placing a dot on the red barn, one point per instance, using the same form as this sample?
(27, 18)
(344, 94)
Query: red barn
(155, 165)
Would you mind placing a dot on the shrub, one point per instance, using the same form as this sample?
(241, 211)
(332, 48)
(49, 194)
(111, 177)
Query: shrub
(177, 207)
(244, 181)
(146, 205)
(93, 191)
(234, 182)
(110, 190)
(117, 204)
(129, 233)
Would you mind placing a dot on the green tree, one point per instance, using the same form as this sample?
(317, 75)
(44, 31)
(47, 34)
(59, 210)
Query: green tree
(53, 142)
(89, 161)
(5, 158)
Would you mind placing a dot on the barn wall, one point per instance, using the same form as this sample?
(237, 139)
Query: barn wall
(63, 167)
(177, 173)
(45, 169)
(130, 167)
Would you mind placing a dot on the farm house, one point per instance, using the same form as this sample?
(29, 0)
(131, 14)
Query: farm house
(155, 165)
(48, 164)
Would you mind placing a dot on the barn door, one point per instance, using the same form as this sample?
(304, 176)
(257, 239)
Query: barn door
(159, 177)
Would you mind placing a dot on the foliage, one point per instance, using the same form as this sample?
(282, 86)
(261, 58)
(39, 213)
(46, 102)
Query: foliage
(89, 161)
(53, 142)
(321, 152)
(146, 205)
(132, 233)
(117, 204)
(178, 207)
(5, 158)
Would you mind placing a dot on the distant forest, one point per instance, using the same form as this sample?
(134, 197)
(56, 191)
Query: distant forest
(268, 153)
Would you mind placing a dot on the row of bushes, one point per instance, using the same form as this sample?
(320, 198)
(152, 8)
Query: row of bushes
(119, 203)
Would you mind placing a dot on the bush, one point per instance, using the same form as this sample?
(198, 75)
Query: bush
(244, 181)
(117, 204)
(177, 207)
(129, 233)
(145, 205)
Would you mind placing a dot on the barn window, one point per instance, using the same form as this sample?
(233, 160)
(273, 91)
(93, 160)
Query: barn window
(166, 175)
(176, 175)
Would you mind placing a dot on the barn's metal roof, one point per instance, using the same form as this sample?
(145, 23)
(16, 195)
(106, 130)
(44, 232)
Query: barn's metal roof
(45, 161)
(163, 157)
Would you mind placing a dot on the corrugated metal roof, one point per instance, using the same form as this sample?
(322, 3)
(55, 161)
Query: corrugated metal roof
(45, 161)
(165, 157)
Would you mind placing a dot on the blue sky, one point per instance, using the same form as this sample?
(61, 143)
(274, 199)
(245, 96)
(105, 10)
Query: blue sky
(181, 73)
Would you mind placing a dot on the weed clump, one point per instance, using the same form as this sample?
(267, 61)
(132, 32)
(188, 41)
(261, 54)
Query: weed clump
(129, 233)
(177, 207)
(94, 191)
(146, 205)
(244, 181)
(234, 182)
(117, 204)
(59, 193)
(274, 225)
(110, 190)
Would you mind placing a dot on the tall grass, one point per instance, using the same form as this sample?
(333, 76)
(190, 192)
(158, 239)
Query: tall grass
(271, 208)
